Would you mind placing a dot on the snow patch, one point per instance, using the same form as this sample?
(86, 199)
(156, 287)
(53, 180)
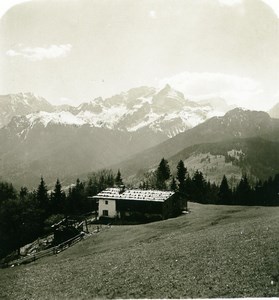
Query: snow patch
(63, 117)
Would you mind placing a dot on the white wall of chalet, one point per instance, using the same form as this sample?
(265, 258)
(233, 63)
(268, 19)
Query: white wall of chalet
(107, 208)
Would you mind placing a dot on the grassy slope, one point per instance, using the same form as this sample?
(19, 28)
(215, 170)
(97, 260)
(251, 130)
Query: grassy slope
(215, 251)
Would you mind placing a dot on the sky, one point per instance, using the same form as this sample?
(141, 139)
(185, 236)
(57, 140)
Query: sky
(72, 51)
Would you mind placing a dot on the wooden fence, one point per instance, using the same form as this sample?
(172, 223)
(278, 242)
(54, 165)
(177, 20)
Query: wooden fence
(54, 250)
(43, 253)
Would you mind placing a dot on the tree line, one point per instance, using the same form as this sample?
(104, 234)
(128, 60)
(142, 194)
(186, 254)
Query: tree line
(197, 189)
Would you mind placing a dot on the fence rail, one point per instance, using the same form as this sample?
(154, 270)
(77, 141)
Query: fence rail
(54, 250)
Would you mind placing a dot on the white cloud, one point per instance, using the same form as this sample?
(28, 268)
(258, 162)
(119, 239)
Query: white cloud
(11, 53)
(237, 90)
(40, 53)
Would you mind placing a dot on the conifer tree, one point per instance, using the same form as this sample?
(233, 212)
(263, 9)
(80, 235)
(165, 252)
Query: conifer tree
(243, 191)
(181, 176)
(101, 183)
(225, 193)
(80, 197)
(212, 193)
(162, 174)
(7, 191)
(23, 193)
(110, 180)
(42, 196)
(91, 187)
(173, 185)
(199, 188)
(76, 199)
(118, 179)
(11, 226)
(145, 185)
(57, 198)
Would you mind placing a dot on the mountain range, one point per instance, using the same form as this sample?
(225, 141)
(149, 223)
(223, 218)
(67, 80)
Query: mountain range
(163, 111)
(131, 131)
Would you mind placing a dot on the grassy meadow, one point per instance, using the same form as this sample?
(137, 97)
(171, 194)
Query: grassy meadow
(215, 251)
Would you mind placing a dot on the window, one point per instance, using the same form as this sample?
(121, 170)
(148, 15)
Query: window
(106, 202)
(105, 213)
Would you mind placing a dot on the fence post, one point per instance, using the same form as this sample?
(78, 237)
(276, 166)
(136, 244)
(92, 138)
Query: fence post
(86, 226)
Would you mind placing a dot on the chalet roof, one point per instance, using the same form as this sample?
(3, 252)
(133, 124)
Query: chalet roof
(136, 195)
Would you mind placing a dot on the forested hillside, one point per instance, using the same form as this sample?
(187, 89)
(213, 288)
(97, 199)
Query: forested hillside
(256, 157)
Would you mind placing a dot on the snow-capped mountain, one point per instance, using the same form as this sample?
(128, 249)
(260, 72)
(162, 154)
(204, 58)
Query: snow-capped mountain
(21, 104)
(164, 111)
